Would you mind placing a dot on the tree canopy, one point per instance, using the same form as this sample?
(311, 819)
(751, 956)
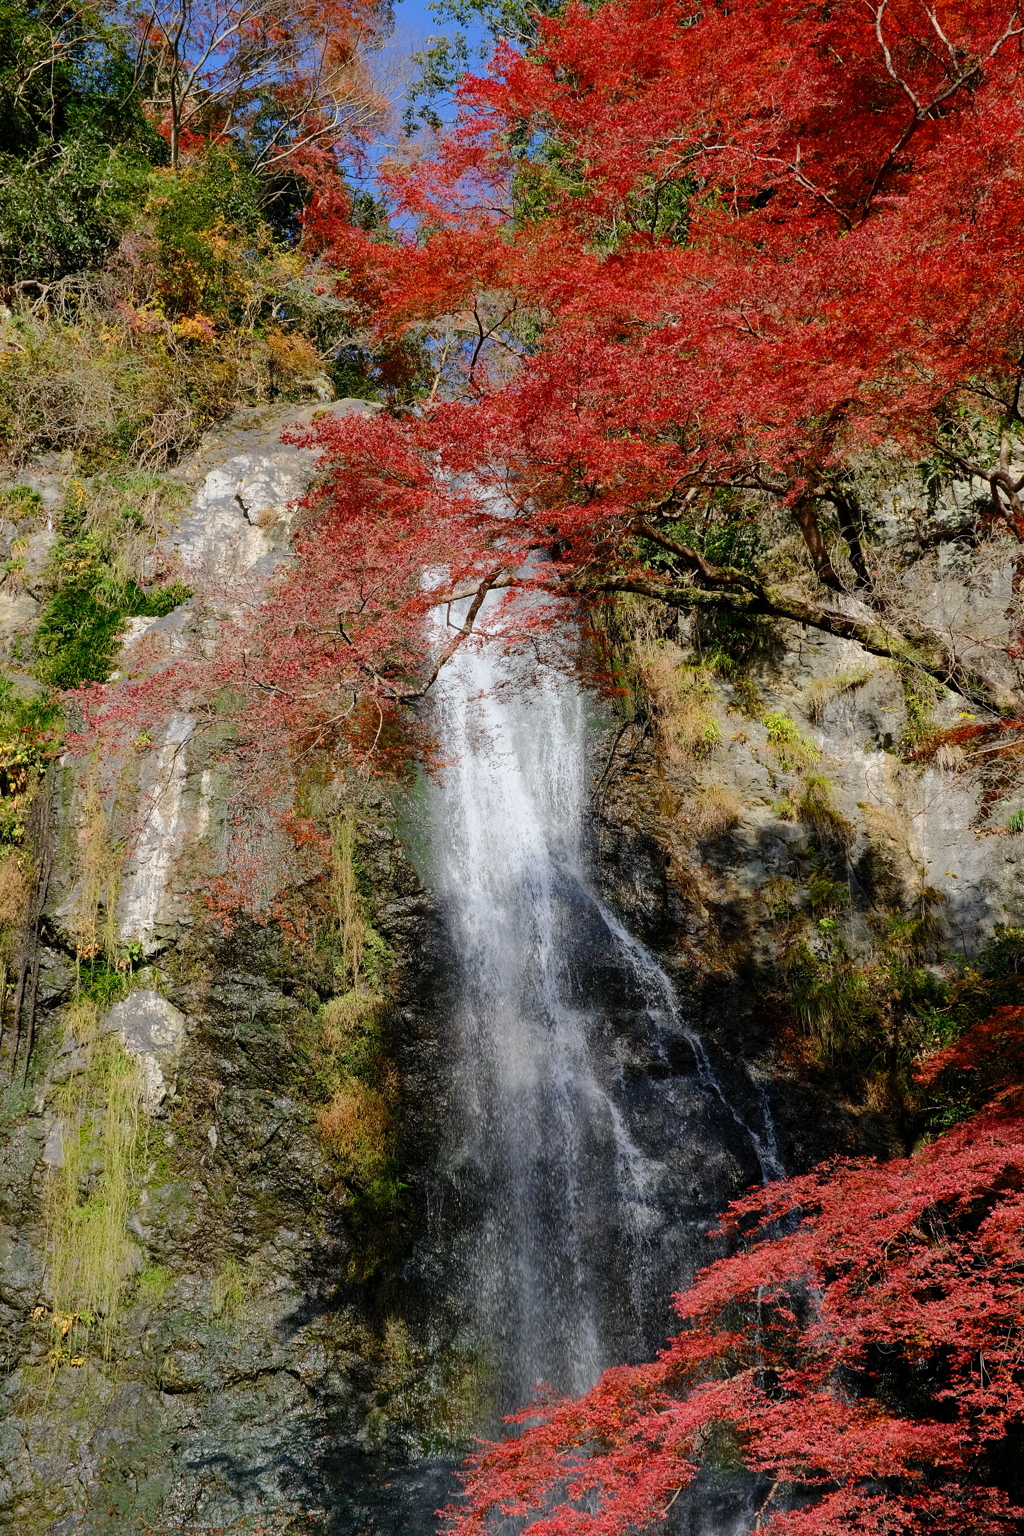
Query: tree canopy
(95, 98)
(672, 256)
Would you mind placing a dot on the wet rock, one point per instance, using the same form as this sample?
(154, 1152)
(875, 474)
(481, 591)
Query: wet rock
(56, 977)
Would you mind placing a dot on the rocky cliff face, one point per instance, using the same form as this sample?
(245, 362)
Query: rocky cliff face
(827, 840)
(280, 1340)
(260, 1354)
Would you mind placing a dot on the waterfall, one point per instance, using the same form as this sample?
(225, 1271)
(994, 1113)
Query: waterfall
(562, 1226)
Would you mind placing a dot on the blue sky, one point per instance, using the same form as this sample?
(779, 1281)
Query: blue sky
(415, 18)
(415, 22)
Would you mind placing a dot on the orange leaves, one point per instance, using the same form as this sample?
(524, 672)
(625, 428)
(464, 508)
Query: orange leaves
(211, 67)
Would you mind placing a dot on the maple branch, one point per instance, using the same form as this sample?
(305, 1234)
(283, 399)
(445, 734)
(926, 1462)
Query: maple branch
(1014, 412)
(922, 113)
(462, 634)
(480, 342)
(890, 66)
(769, 1496)
(726, 587)
(715, 576)
(998, 479)
(471, 588)
(920, 648)
(809, 186)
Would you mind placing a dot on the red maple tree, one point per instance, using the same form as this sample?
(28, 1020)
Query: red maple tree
(671, 252)
(862, 1352)
(666, 256)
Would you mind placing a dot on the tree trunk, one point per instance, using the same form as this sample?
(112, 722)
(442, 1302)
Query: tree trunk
(848, 514)
(807, 520)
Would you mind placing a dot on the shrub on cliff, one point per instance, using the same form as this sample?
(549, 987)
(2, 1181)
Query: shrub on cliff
(202, 307)
(150, 216)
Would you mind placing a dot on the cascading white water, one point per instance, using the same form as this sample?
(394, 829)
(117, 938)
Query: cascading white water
(561, 1210)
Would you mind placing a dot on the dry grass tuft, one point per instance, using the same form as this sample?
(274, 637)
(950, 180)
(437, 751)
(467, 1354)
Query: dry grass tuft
(793, 751)
(950, 757)
(344, 1018)
(92, 922)
(345, 896)
(355, 1125)
(819, 694)
(713, 810)
(683, 697)
(13, 889)
(89, 1198)
(817, 810)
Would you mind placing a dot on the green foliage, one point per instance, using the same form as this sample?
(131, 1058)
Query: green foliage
(867, 1018)
(210, 236)
(147, 304)
(62, 216)
(792, 749)
(155, 1280)
(102, 983)
(75, 147)
(360, 955)
(110, 389)
(138, 381)
(14, 893)
(30, 734)
(92, 587)
(357, 1123)
(728, 535)
(16, 1100)
(863, 1015)
(31, 726)
(21, 501)
(994, 978)
(831, 994)
(358, 1081)
(78, 631)
(921, 693)
(64, 70)
(545, 175)
(351, 1039)
(825, 894)
(353, 1076)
